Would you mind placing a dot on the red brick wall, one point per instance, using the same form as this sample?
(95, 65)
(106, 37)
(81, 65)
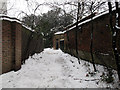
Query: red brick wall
(17, 43)
(102, 41)
(0, 47)
(14, 38)
(11, 46)
(18, 46)
(7, 50)
(31, 43)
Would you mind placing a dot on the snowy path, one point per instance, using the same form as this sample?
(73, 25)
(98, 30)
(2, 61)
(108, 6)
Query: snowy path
(53, 69)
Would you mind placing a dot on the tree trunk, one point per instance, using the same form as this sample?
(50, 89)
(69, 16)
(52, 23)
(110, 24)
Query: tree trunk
(91, 46)
(76, 31)
(114, 36)
(116, 53)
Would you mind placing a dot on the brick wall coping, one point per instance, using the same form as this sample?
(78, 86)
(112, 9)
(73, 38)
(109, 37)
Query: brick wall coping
(12, 19)
(70, 27)
(60, 32)
(28, 28)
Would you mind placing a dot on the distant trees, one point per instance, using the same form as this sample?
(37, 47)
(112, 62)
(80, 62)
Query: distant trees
(48, 23)
(3, 7)
(45, 24)
(60, 15)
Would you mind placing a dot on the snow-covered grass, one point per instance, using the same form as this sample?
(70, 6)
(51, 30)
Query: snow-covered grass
(55, 69)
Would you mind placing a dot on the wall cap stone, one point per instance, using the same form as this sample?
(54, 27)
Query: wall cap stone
(12, 19)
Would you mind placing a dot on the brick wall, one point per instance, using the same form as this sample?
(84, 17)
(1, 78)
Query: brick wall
(102, 41)
(18, 46)
(0, 47)
(7, 46)
(13, 44)
(31, 43)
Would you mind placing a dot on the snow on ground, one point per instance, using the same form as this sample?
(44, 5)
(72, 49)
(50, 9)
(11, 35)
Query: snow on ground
(55, 69)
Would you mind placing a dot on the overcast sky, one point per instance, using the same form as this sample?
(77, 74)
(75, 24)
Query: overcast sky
(16, 6)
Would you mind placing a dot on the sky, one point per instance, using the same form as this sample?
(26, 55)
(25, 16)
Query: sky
(16, 6)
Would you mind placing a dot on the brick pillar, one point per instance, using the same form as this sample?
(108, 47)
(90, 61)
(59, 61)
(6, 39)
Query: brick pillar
(0, 47)
(18, 44)
(6, 47)
(10, 53)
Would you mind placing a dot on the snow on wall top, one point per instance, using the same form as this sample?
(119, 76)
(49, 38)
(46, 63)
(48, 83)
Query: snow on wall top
(88, 20)
(28, 28)
(11, 19)
(59, 32)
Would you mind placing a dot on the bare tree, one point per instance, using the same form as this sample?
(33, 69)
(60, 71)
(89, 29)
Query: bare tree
(115, 34)
(4, 6)
(92, 7)
(82, 8)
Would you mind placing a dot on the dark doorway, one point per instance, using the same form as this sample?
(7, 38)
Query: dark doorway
(62, 45)
(57, 44)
